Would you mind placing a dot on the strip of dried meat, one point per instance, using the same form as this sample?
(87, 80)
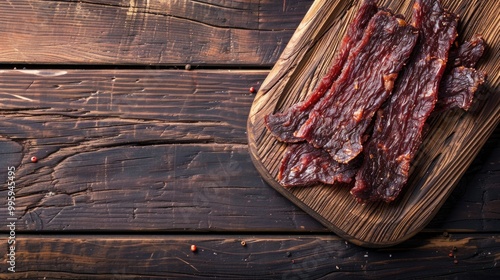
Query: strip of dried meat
(458, 87)
(398, 127)
(337, 123)
(304, 165)
(283, 125)
(469, 53)
(461, 80)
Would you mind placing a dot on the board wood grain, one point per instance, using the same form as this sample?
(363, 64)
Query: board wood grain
(452, 141)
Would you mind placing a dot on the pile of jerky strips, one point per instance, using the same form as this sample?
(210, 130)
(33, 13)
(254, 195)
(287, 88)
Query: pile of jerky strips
(364, 120)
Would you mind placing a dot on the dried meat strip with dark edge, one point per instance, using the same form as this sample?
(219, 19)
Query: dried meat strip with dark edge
(283, 125)
(469, 53)
(458, 87)
(304, 165)
(338, 122)
(461, 80)
(398, 128)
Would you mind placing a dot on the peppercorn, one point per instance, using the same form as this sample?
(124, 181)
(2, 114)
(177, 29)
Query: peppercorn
(252, 90)
(34, 159)
(193, 248)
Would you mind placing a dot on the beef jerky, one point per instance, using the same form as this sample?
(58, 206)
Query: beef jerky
(337, 123)
(461, 80)
(398, 128)
(283, 125)
(458, 87)
(304, 165)
(468, 54)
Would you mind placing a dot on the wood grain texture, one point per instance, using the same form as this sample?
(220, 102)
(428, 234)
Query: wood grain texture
(262, 257)
(136, 150)
(147, 32)
(213, 102)
(476, 194)
(448, 149)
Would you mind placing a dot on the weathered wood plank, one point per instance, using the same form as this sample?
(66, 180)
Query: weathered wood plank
(147, 31)
(145, 150)
(262, 257)
(209, 106)
(133, 150)
(152, 187)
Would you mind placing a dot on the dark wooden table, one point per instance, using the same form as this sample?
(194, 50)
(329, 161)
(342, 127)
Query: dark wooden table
(136, 113)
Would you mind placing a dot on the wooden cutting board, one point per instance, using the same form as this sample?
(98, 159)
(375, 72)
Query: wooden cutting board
(450, 144)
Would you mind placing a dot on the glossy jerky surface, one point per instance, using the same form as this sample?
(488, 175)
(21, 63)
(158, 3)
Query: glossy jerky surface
(283, 125)
(305, 165)
(461, 80)
(469, 53)
(338, 122)
(398, 127)
(458, 87)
